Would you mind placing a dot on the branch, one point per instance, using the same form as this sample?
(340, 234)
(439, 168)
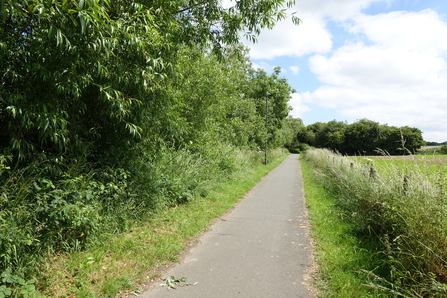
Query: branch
(190, 7)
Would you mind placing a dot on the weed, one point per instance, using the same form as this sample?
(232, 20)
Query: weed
(172, 283)
(14, 286)
(402, 207)
(121, 262)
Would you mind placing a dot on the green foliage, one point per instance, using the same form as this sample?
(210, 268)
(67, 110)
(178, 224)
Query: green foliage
(433, 150)
(289, 134)
(341, 253)
(112, 110)
(363, 137)
(39, 214)
(19, 286)
(271, 94)
(400, 207)
(86, 74)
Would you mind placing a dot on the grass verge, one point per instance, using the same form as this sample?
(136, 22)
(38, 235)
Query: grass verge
(400, 209)
(124, 263)
(341, 255)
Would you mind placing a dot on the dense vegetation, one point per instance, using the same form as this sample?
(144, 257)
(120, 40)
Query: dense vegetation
(433, 150)
(110, 110)
(436, 143)
(400, 206)
(363, 137)
(342, 254)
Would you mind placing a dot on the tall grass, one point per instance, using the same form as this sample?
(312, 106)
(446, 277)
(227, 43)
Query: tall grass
(404, 208)
(129, 259)
(43, 215)
(430, 150)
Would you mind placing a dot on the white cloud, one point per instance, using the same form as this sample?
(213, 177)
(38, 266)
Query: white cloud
(338, 10)
(264, 65)
(390, 67)
(294, 69)
(312, 35)
(228, 3)
(299, 108)
(412, 31)
(396, 76)
(375, 66)
(286, 39)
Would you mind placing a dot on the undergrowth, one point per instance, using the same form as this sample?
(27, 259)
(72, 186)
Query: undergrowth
(47, 214)
(125, 262)
(403, 208)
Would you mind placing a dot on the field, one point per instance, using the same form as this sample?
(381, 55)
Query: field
(434, 167)
(436, 159)
(401, 202)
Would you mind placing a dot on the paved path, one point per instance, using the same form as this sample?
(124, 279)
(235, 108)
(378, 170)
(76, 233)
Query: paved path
(258, 250)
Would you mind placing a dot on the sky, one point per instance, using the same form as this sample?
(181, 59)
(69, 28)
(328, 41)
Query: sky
(383, 60)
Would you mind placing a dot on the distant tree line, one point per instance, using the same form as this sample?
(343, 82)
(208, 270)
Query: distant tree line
(436, 143)
(363, 137)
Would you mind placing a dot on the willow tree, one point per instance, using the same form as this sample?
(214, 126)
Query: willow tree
(88, 73)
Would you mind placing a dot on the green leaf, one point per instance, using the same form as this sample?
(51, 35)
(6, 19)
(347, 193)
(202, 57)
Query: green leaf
(2, 9)
(4, 291)
(58, 37)
(21, 281)
(83, 22)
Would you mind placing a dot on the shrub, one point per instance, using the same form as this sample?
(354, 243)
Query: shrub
(43, 213)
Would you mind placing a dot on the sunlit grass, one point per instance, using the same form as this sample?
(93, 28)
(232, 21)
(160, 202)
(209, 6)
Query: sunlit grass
(126, 261)
(340, 253)
(402, 205)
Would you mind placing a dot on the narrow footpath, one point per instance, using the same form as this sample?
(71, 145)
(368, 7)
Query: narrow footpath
(260, 249)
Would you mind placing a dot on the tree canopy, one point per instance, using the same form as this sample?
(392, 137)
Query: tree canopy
(93, 74)
(362, 137)
(111, 110)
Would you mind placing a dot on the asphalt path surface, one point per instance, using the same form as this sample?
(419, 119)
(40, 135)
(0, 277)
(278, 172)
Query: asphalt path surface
(259, 249)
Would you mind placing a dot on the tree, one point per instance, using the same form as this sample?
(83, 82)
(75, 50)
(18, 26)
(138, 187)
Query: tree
(333, 135)
(289, 133)
(209, 101)
(277, 92)
(91, 74)
(411, 140)
(314, 135)
(363, 137)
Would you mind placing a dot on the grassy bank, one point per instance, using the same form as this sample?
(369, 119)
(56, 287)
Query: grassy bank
(398, 212)
(340, 253)
(123, 263)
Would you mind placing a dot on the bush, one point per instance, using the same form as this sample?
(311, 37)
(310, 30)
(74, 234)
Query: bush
(43, 212)
(300, 148)
(39, 214)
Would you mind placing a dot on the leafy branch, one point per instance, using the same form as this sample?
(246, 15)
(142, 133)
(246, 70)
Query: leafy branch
(172, 282)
